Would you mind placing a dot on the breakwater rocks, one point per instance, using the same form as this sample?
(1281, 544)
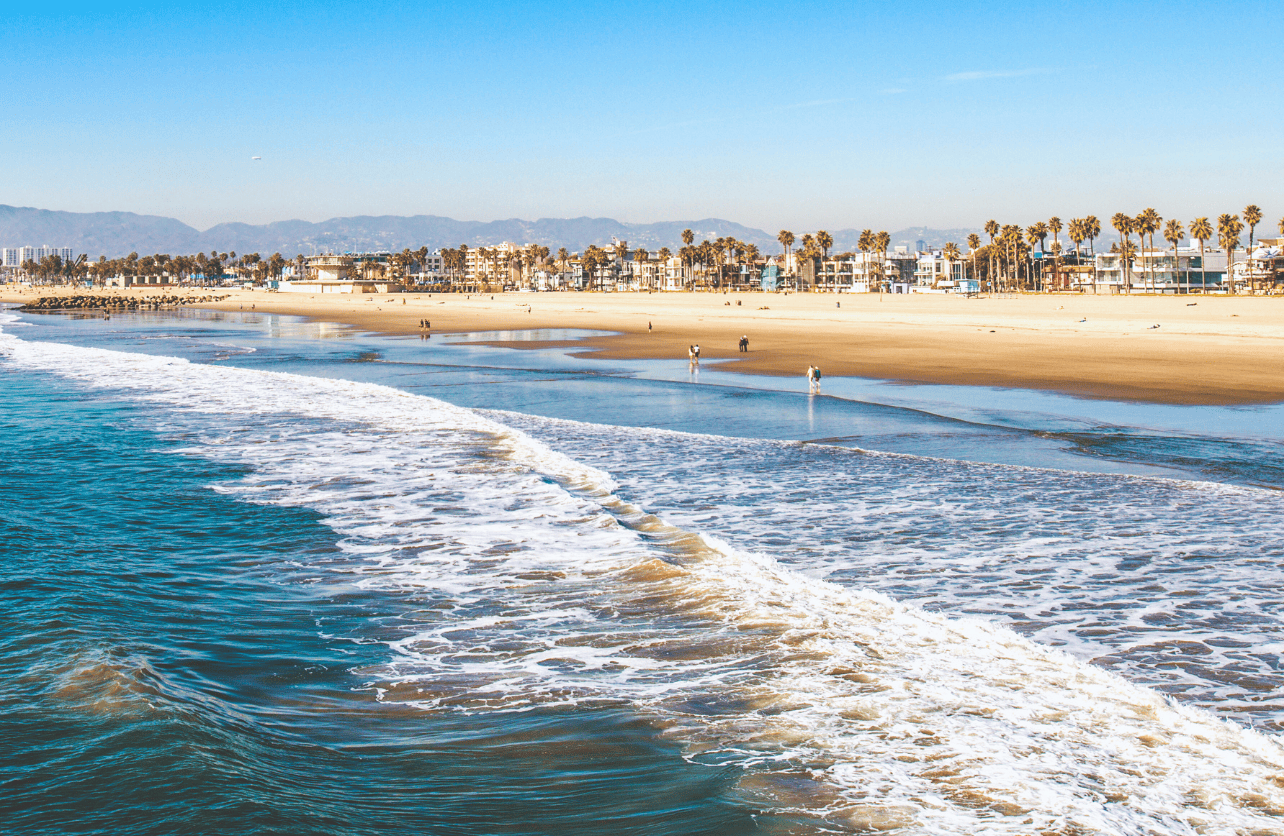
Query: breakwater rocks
(115, 303)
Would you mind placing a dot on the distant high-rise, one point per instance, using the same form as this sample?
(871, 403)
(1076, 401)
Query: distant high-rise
(65, 254)
(920, 245)
(26, 254)
(11, 257)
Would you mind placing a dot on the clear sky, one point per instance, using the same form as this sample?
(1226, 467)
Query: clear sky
(798, 115)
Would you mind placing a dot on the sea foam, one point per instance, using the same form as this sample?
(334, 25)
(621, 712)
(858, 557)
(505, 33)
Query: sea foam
(540, 583)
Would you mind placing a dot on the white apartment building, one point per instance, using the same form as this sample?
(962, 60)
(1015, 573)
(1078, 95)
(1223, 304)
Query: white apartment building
(1159, 271)
(432, 268)
(932, 270)
(15, 256)
(850, 273)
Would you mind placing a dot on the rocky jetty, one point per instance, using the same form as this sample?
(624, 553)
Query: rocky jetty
(115, 303)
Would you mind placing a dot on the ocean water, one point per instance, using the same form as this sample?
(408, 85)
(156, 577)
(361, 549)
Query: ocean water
(268, 576)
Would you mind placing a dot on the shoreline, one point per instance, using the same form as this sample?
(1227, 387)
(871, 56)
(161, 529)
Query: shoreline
(1208, 350)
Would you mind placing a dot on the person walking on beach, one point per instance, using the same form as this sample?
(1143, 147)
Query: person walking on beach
(744, 344)
(813, 380)
(696, 349)
(692, 356)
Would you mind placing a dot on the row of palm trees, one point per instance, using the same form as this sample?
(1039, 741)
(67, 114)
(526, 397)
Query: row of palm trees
(1010, 246)
(996, 265)
(159, 265)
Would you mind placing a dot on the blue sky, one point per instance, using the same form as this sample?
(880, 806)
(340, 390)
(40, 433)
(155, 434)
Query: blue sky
(798, 115)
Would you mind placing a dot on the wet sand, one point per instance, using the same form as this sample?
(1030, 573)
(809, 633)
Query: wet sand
(1207, 350)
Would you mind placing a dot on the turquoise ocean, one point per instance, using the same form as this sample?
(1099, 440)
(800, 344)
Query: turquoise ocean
(269, 576)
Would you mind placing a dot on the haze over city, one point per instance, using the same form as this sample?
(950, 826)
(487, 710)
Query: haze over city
(799, 116)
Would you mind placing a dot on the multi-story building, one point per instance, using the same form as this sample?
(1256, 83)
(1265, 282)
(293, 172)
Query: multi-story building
(1159, 271)
(432, 268)
(11, 257)
(931, 269)
(1261, 268)
(65, 254)
(493, 265)
(844, 273)
(26, 254)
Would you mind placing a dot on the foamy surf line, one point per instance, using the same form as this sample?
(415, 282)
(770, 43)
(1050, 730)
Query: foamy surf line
(837, 703)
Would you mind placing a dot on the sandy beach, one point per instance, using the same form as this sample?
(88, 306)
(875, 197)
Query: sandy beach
(1206, 350)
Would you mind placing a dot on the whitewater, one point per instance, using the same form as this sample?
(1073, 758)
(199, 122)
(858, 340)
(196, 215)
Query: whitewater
(871, 641)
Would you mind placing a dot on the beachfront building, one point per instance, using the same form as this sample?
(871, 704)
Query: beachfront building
(646, 273)
(356, 273)
(494, 265)
(430, 269)
(10, 258)
(1159, 271)
(841, 273)
(933, 271)
(860, 272)
(1262, 269)
(677, 276)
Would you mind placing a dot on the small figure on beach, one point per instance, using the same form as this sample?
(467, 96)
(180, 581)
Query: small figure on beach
(693, 355)
(813, 380)
(838, 304)
(648, 327)
(744, 344)
(696, 348)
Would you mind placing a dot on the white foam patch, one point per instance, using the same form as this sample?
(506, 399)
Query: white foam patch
(535, 585)
(1144, 575)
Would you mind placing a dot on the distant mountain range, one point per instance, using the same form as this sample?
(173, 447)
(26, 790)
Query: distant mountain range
(115, 234)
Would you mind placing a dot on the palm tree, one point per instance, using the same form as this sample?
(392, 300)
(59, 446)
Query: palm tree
(1139, 224)
(882, 240)
(1228, 229)
(865, 243)
(1201, 230)
(1010, 238)
(992, 229)
(751, 256)
(951, 254)
(1036, 235)
(1147, 224)
(1054, 226)
(687, 237)
(1173, 233)
(1123, 225)
(824, 240)
(973, 244)
(1252, 217)
(639, 259)
(786, 239)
